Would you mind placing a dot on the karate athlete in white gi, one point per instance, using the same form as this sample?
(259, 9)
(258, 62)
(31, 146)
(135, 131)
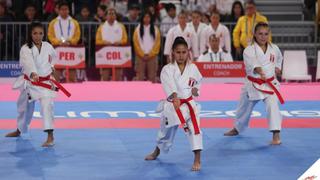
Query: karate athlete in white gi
(263, 62)
(181, 82)
(183, 30)
(35, 83)
(215, 53)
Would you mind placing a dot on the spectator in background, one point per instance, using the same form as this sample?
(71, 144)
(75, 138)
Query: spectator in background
(147, 46)
(205, 18)
(122, 7)
(131, 23)
(309, 9)
(64, 31)
(243, 32)
(30, 14)
(219, 30)
(187, 33)
(18, 7)
(111, 33)
(55, 13)
(197, 25)
(85, 16)
(101, 13)
(153, 10)
(236, 13)
(215, 53)
(224, 7)
(192, 5)
(6, 34)
(170, 20)
(204, 6)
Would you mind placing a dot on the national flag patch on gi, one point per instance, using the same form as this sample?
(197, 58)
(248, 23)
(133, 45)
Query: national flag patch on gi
(50, 59)
(191, 82)
(272, 58)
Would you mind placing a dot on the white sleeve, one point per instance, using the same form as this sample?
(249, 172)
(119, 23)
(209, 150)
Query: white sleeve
(279, 57)
(194, 45)
(227, 39)
(167, 81)
(227, 57)
(26, 61)
(53, 54)
(198, 78)
(203, 40)
(201, 58)
(168, 43)
(250, 61)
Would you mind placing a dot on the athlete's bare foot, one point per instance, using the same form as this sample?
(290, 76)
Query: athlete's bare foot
(196, 163)
(276, 138)
(232, 132)
(15, 133)
(153, 155)
(50, 140)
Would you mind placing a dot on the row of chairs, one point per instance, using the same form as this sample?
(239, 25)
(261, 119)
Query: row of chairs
(295, 66)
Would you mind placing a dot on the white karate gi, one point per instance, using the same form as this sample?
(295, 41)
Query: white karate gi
(188, 34)
(167, 23)
(221, 32)
(201, 27)
(220, 56)
(255, 57)
(32, 60)
(173, 81)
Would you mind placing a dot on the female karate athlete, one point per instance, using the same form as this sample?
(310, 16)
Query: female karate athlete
(263, 63)
(181, 82)
(36, 83)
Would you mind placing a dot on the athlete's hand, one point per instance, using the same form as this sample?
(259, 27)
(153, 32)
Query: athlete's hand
(194, 91)
(259, 71)
(176, 103)
(34, 77)
(278, 71)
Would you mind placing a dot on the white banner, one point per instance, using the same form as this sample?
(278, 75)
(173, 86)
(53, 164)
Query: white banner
(313, 173)
(113, 56)
(68, 56)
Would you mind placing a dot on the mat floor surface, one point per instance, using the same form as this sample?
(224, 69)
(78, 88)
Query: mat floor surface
(105, 130)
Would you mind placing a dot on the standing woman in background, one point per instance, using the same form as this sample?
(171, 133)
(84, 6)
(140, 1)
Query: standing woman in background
(146, 41)
(36, 83)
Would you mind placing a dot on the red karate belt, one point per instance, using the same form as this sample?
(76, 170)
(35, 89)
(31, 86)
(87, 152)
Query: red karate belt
(48, 86)
(192, 115)
(269, 82)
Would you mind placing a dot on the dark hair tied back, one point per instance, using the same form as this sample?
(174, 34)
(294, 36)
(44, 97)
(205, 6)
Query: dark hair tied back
(33, 25)
(179, 41)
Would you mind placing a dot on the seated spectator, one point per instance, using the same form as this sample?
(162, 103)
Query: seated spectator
(111, 33)
(64, 31)
(101, 13)
(215, 53)
(219, 30)
(54, 14)
(30, 14)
